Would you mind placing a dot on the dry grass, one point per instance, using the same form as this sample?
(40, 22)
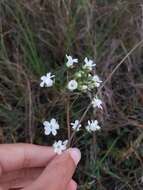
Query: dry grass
(34, 37)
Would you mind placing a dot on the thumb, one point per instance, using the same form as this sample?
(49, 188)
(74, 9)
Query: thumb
(59, 172)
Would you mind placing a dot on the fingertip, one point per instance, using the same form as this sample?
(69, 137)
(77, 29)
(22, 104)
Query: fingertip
(75, 154)
(61, 168)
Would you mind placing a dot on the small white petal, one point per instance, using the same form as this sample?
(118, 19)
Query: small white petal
(42, 84)
(54, 123)
(75, 60)
(65, 142)
(54, 132)
(47, 130)
(43, 78)
(46, 123)
(50, 76)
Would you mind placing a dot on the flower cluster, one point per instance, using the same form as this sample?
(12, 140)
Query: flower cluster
(51, 127)
(82, 79)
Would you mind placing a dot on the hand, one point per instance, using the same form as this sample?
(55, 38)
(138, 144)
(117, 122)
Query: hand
(33, 167)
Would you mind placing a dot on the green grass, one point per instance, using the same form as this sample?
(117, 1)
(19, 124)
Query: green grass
(34, 38)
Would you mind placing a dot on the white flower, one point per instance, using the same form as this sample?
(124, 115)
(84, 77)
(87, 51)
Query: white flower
(72, 85)
(47, 80)
(96, 80)
(76, 125)
(51, 127)
(70, 61)
(60, 146)
(92, 126)
(96, 102)
(88, 64)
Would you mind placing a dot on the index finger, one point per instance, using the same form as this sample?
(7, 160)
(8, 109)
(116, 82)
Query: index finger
(18, 156)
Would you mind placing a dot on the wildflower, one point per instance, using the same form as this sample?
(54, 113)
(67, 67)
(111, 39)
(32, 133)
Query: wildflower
(76, 125)
(72, 85)
(70, 61)
(88, 64)
(92, 126)
(47, 80)
(60, 146)
(51, 127)
(96, 102)
(96, 80)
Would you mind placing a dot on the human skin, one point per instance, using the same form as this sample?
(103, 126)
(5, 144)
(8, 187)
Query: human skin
(33, 167)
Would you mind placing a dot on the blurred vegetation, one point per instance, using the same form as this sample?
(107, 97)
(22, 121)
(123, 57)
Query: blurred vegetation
(34, 38)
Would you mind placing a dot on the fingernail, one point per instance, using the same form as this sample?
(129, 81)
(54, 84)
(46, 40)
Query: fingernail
(75, 154)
